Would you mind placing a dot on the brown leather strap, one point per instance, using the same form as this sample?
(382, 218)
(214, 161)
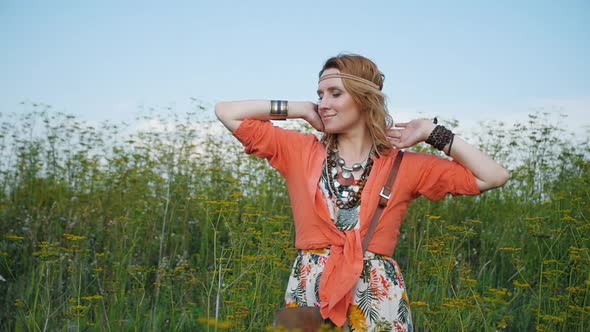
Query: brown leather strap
(386, 193)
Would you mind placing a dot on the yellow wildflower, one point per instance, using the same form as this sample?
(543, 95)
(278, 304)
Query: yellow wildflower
(92, 298)
(73, 237)
(469, 282)
(223, 324)
(79, 307)
(418, 304)
(554, 319)
(48, 250)
(357, 319)
(575, 290)
(250, 258)
(576, 309)
(236, 195)
(454, 303)
(454, 228)
(502, 324)
(568, 218)
(516, 283)
(13, 237)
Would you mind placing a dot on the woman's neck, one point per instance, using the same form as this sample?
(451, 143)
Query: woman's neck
(354, 147)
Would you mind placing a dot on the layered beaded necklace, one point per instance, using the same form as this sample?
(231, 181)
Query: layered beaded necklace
(344, 188)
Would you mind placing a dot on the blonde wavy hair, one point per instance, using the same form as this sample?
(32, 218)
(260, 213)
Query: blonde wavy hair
(372, 102)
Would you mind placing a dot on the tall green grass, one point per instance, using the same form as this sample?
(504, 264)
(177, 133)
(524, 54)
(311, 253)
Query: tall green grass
(176, 229)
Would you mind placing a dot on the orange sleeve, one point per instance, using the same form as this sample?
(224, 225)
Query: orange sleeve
(281, 147)
(435, 177)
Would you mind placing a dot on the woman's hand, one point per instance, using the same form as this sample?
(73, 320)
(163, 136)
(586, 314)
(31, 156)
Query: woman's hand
(407, 134)
(312, 116)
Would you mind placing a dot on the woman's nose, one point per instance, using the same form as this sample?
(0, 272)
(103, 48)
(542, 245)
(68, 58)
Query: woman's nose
(323, 104)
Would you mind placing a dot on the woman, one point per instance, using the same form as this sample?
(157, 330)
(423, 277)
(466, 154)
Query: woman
(334, 186)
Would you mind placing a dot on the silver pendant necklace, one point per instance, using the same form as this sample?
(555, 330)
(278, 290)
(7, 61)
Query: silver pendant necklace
(346, 194)
(346, 178)
(347, 219)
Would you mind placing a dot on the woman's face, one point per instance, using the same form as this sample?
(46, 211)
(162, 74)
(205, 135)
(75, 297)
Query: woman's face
(338, 111)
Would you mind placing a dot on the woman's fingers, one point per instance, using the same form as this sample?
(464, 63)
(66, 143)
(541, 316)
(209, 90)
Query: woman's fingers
(315, 120)
(396, 133)
(396, 143)
(318, 125)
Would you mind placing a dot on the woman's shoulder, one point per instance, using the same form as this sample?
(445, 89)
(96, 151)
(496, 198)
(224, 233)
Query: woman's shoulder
(421, 157)
(414, 161)
(408, 156)
(250, 126)
(253, 130)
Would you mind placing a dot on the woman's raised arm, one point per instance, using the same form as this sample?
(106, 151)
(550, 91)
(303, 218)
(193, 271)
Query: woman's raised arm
(488, 173)
(232, 113)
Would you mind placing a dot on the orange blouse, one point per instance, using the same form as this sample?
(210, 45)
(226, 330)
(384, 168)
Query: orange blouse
(299, 158)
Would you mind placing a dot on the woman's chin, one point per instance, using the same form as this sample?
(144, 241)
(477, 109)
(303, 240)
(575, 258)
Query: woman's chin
(331, 129)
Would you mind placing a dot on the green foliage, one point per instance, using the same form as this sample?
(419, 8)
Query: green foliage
(175, 228)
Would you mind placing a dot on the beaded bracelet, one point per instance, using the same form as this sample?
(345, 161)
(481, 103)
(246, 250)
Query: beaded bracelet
(440, 137)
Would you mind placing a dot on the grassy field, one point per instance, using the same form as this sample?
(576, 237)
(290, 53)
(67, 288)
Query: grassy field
(174, 230)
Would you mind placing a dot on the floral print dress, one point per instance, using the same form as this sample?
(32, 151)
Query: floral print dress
(380, 300)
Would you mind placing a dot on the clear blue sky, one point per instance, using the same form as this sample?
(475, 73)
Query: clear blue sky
(468, 60)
